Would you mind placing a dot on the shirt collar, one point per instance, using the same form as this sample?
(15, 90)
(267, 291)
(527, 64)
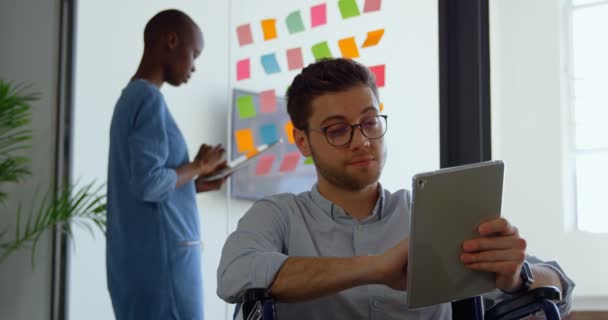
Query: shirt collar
(335, 212)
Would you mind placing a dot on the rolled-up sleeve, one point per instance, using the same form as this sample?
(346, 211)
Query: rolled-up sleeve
(150, 180)
(253, 254)
(567, 285)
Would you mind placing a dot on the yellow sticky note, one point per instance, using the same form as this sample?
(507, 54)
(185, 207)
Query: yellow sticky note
(348, 46)
(289, 132)
(269, 26)
(244, 140)
(373, 37)
(381, 106)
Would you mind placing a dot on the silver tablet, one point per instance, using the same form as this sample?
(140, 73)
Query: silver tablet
(447, 207)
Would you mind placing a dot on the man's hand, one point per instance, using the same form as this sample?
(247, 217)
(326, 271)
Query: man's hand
(209, 159)
(391, 266)
(499, 249)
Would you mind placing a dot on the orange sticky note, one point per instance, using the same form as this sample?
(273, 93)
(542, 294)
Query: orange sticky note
(289, 132)
(244, 140)
(269, 26)
(373, 37)
(348, 46)
(251, 153)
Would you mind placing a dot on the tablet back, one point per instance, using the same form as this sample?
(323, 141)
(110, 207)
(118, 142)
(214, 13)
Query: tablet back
(447, 207)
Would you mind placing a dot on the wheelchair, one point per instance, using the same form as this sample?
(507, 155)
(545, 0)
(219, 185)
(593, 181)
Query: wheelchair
(258, 304)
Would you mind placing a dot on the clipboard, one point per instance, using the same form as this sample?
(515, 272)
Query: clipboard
(447, 207)
(242, 161)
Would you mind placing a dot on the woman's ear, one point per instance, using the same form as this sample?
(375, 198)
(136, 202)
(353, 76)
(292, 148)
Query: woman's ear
(172, 40)
(301, 139)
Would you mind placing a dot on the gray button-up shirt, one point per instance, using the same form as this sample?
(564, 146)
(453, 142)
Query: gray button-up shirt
(309, 225)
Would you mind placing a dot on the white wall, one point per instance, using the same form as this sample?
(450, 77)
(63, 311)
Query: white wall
(29, 37)
(409, 48)
(528, 126)
(109, 46)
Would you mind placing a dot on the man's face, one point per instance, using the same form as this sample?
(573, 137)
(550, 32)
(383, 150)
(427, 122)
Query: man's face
(188, 47)
(357, 164)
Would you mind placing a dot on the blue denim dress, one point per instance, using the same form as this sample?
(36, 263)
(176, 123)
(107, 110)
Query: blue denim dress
(153, 253)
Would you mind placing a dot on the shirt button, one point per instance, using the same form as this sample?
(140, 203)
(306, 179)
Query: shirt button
(375, 303)
(359, 228)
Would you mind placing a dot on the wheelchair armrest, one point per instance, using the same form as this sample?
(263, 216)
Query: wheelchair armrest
(258, 303)
(526, 304)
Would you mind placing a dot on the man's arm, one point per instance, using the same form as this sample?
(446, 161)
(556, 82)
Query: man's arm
(253, 257)
(303, 278)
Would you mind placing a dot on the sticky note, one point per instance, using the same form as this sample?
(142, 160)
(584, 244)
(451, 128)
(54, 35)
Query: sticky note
(244, 140)
(245, 106)
(270, 64)
(348, 47)
(318, 15)
(251, 153)
(321, 50)
(269, 27)
(381, 106)
(308, 160)
(294, 59)
(268, 101)
(372, 5)
(373, 37)
(264, 164)
(290, 162)
(294, 22)
(269, 134)
(348, 8)
(289, 132)
(243, 69)
(378, 71)
(243, 33)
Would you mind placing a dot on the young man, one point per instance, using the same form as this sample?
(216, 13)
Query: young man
(153, 240)
(340, 251)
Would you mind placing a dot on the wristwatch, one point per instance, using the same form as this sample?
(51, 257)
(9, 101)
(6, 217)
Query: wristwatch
(527, 278)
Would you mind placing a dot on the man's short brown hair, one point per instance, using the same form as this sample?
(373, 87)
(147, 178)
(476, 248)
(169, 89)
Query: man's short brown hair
(321, 77)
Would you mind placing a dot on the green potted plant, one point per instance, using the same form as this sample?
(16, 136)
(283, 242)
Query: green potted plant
(83, 206)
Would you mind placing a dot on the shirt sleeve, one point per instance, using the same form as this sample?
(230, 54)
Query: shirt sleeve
(253, 254)
(150, 180)
(567, 286)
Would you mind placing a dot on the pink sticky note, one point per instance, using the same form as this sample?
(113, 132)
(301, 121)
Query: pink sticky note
(290, 162)
(243, 69)
(268, 101)
(318, 15)
(264, 164)
(378, 71)
(294, 59)
(372, 5)
(243, 33)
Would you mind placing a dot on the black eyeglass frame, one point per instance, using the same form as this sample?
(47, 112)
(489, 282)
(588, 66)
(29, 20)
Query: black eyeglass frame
(323, 130)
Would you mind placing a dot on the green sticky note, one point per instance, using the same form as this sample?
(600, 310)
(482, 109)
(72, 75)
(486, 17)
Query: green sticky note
(245, 106)
(294, 22)
(308, 160)
(321, 50)
(348, 8)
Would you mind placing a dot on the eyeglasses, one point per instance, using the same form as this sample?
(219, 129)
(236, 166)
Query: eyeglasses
(341, 134)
